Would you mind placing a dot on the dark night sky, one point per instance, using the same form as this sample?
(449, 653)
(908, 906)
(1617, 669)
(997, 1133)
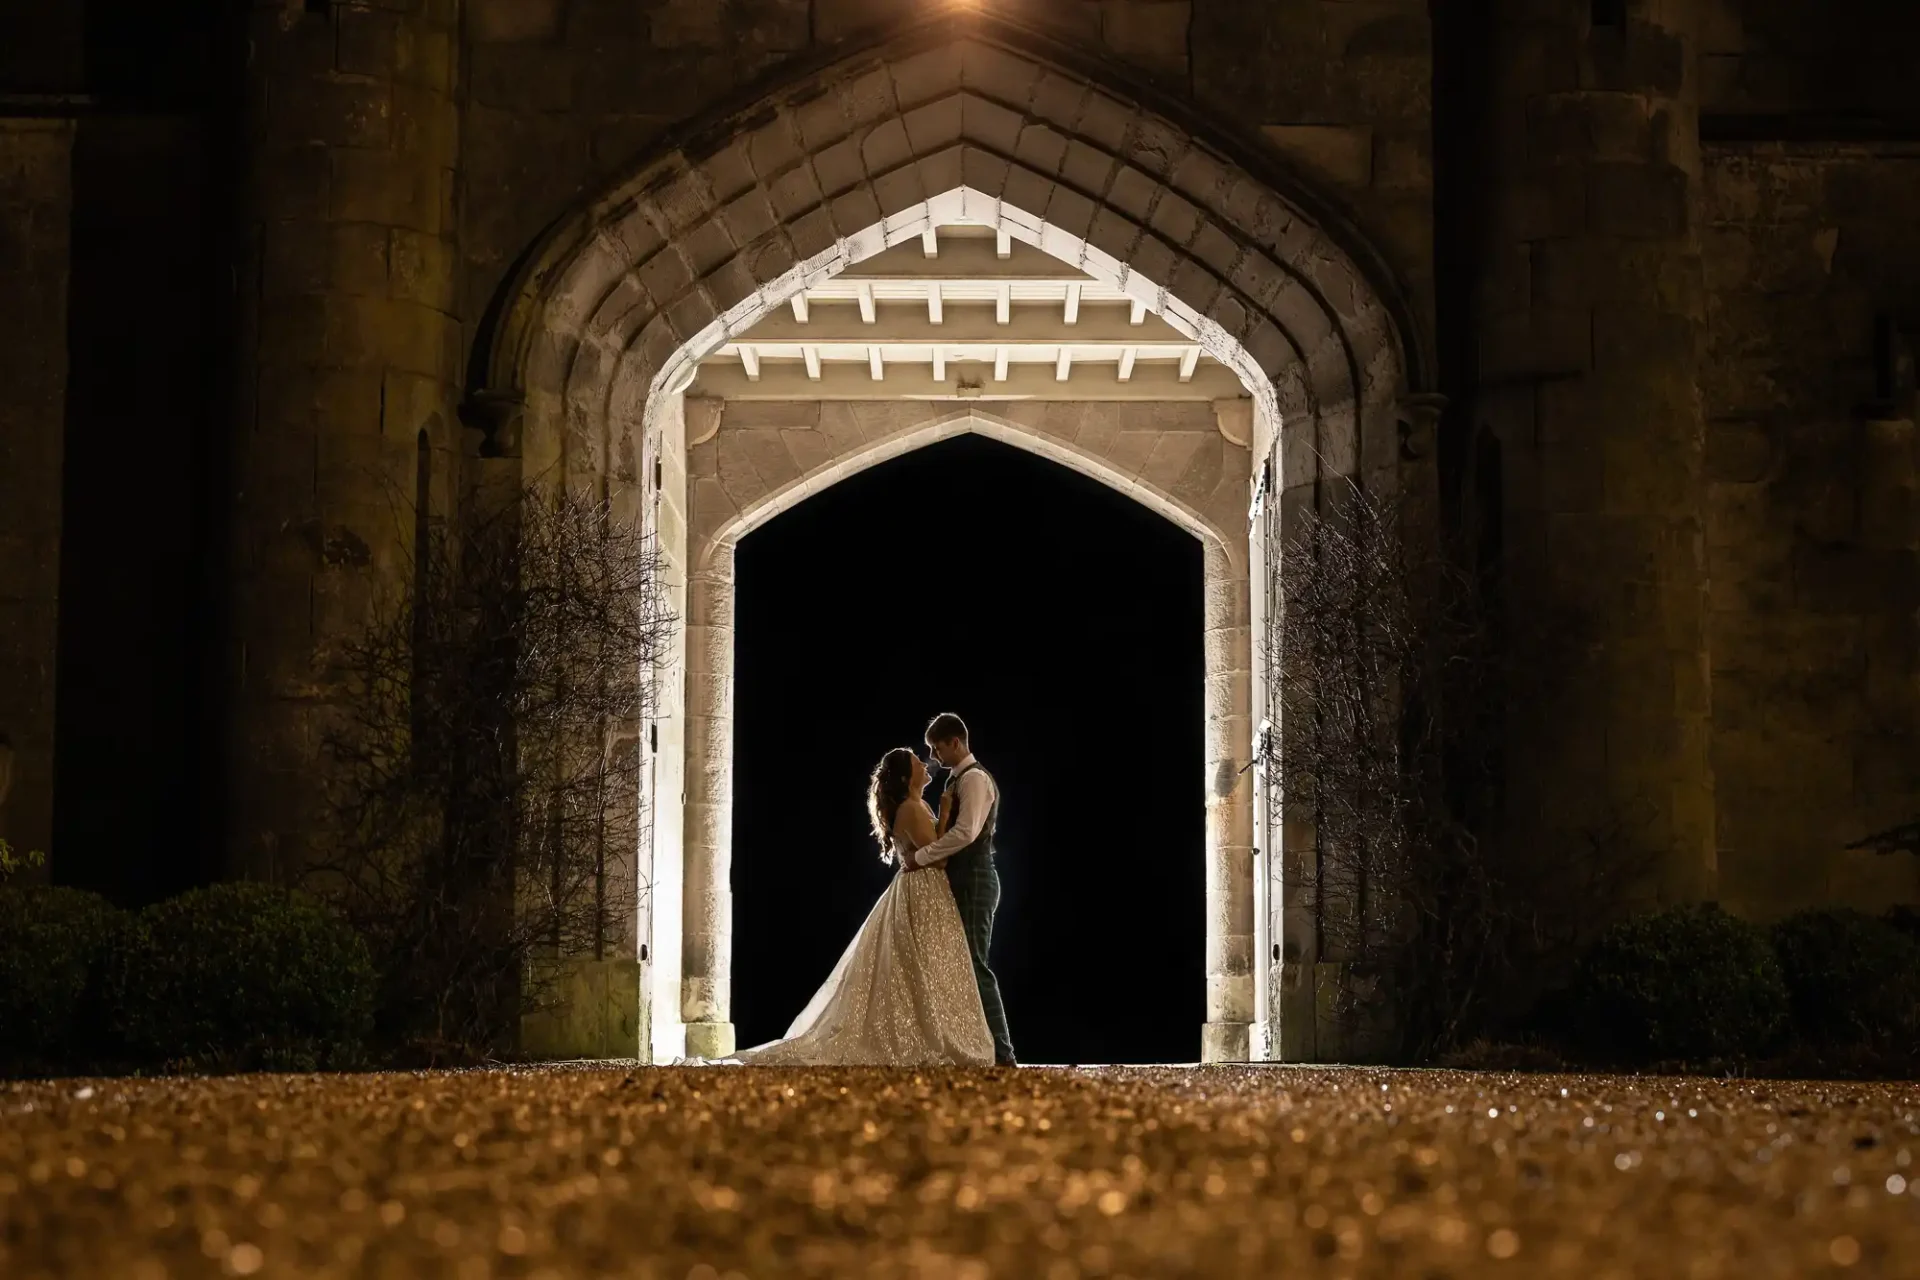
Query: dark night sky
(1078, 671)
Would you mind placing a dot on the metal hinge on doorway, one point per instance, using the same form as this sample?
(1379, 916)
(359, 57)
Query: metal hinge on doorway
(1261, 487)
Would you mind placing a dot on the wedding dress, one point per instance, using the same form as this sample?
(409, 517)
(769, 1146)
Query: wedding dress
(903, 993)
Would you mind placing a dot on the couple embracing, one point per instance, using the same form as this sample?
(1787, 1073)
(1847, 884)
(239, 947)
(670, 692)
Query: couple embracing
(914, 988)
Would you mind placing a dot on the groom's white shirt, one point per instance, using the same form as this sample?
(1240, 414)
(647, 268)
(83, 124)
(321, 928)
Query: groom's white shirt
(977, 798)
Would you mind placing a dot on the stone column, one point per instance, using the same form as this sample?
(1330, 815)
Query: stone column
(1227, 1035)
(349, 350)
(36, 195)
(706, 977)
(1592, 309)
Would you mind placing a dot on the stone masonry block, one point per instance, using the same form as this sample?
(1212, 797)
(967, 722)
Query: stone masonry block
(705, 246)
(900, 191)
(748, 217)
(1040, 148)
(338, 113)
(774, 146)
(682, 196)
(794, 192)
(926, 75)
(855, 211)
(1155, 146)
(989, 124)
(1087, 168)
(1027, 192)
(384, 187)
(1537, 344)
(1070, 213)
(1151, 34)
(1638, 201)
(729, 172)
(1113, 236)
(868, 98)
(999, 73)
(1058, 98)
(941, 172)
(886, 146)
(421, 269)
(1106, 121)
(820, 122)
(935, 123)
(838, 166)
(1342, 154)
(730, 284)
(1602, 126)
(425, 122)
(983, 171)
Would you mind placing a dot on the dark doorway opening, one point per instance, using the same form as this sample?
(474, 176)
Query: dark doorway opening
(1076, 660)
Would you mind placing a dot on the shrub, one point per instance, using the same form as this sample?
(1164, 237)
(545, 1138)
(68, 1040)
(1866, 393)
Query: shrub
(1690, 983)
(239, 976)
(1904, 919)
(53, 945)
(1854, 981)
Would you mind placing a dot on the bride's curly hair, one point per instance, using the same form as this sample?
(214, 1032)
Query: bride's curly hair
(886, 793)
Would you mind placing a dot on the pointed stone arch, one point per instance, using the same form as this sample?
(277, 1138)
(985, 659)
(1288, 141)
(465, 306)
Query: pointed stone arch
(582, 370)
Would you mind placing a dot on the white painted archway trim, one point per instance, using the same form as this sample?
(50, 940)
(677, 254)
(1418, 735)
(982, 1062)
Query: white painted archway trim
(976, 422)
(964, 206)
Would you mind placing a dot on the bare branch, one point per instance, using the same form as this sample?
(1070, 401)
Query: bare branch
(486, 769)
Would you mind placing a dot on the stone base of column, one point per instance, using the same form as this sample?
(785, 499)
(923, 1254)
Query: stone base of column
(710, 1040)
(585, 1008)
(1226, 1042)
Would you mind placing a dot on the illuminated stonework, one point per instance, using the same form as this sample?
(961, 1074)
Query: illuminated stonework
(679, 264)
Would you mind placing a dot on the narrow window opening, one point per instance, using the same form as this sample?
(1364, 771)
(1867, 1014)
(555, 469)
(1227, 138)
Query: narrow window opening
(422, 584)
(1610, 13)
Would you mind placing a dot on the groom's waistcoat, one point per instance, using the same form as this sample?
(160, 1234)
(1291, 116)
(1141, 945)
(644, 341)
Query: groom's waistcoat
(982, 845)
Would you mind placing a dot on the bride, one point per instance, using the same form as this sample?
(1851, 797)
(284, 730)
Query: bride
(903, 993)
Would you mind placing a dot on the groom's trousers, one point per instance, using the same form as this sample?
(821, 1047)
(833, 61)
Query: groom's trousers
(976, 891)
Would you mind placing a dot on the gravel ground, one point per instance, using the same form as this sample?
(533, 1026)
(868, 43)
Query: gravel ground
(690, 1174)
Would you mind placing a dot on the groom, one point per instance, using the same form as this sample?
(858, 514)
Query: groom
(967, 850)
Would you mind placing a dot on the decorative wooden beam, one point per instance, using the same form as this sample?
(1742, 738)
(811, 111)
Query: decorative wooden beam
(899, 322)
(965, 380)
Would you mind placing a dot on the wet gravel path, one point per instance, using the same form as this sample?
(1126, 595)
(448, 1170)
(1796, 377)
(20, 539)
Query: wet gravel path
(708, 1174)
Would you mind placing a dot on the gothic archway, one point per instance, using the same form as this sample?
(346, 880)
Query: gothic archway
(584, 373)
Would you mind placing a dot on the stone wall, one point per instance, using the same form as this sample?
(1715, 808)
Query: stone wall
(1774, 66)
(1343, 91)
(1589, 306)
(35, 193)
(1812, 522)
(565, 97)
(351, 352)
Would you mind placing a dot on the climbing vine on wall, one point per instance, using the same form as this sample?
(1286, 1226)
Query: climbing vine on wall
(488, 765)
(1389, 671)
